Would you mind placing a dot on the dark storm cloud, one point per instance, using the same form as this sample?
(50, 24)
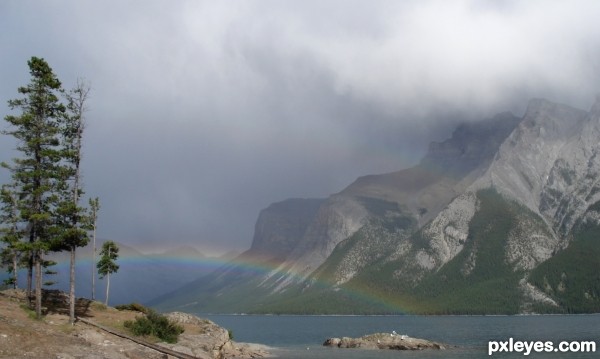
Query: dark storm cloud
(202, 113)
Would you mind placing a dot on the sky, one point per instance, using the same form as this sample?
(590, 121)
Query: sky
(202, 113)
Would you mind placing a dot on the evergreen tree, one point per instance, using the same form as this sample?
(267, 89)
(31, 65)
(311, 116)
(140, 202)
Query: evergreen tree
(107, 265)
(44, 197)
(37, 175)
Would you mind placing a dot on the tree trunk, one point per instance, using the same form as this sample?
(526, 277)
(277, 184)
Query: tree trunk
(15, 265)
(94, 263)
(72, 288)
(107, 288)
(30, 278)
(38, 284)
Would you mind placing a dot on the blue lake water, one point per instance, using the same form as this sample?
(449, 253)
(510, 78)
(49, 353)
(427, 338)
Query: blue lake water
(302, 336)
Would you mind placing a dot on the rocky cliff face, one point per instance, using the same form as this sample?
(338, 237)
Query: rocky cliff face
(417, 195)
(571, 186)
(481, 225)
(545, 165)
(281, 226)
(524, 162)
(547, 171)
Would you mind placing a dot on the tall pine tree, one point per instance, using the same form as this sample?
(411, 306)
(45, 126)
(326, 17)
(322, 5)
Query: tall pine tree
(46, 177)
(36, 173)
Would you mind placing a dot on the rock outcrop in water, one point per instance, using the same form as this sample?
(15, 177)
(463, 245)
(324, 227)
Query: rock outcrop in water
(384, 341)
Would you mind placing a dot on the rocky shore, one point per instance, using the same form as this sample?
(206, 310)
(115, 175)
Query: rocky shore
(384, 341)
(202, 337)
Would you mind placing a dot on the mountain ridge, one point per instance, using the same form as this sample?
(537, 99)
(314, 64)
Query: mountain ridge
(406, 235)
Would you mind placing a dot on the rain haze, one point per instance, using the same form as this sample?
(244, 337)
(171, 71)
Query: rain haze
(204, 112)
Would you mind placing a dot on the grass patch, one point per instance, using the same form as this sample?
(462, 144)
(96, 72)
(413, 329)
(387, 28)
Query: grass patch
(98, 306)
(30, 312)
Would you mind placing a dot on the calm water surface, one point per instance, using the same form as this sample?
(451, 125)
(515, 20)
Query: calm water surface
(302, 336)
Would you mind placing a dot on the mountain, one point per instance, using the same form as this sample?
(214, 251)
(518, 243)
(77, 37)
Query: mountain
(502, 217)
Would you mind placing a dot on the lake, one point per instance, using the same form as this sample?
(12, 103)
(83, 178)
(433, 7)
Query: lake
(302, 336)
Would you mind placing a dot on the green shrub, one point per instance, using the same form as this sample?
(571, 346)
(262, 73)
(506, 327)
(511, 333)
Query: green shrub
(155, 324)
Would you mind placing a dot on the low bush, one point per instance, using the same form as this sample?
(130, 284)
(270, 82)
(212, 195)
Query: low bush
(155, 324)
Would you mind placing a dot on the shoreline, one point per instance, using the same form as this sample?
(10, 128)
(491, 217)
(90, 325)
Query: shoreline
(387, 315)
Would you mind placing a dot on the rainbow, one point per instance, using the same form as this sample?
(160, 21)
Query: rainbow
(192, 267)
(273, 273)
(143, 266)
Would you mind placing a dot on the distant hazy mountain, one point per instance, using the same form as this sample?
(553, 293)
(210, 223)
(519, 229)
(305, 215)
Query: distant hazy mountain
(140, 276)
(503, 217)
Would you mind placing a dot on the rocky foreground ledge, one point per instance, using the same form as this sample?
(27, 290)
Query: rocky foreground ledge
(384, 341)
(99, 333)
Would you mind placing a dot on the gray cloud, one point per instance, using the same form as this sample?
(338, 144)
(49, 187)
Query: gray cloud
(202, 113)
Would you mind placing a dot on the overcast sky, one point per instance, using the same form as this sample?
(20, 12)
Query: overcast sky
(204, 112)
